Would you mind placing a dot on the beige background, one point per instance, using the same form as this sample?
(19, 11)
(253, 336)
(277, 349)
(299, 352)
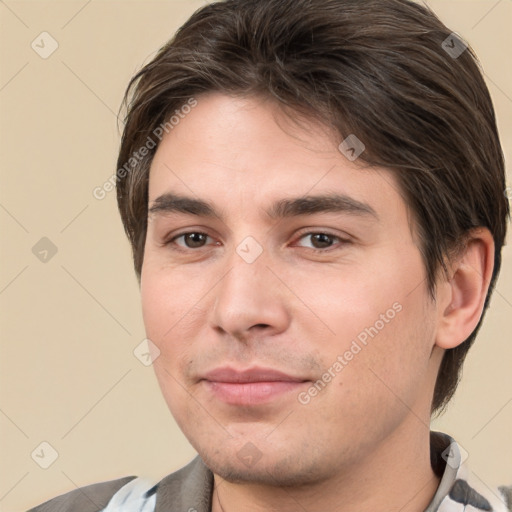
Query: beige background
(69, 326)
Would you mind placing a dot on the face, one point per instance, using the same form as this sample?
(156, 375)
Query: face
(286, 297)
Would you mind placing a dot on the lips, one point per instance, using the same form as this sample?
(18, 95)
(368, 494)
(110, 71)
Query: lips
(256, 374)
(251, 386)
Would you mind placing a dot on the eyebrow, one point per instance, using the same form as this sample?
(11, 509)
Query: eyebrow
(283, 208)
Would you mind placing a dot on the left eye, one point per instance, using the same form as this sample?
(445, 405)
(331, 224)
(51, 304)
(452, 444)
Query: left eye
(321, 240)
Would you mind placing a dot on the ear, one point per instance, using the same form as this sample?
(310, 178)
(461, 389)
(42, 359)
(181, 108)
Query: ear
(463, 296)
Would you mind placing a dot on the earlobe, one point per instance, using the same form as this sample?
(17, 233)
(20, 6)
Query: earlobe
(466, 290)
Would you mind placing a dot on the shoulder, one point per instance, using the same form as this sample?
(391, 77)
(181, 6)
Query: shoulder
(91, 498)
(191, 484)
(507, 493)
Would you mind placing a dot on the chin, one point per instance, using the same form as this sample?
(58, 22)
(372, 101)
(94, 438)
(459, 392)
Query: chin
(285, 472)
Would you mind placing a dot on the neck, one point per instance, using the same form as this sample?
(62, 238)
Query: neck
(395, 476)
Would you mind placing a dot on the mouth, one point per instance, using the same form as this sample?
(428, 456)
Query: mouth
(252, 386)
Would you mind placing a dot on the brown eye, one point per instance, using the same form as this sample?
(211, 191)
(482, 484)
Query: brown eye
(320, 240)
(192, 240)
(195, 239)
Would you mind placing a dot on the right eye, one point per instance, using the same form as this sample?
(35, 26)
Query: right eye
(191, 240)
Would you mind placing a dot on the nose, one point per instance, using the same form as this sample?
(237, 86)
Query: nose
(250, 299)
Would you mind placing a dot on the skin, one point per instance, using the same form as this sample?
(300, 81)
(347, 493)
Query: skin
(362, 442)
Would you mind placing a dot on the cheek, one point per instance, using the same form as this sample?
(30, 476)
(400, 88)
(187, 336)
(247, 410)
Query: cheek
(379, 326)
(163, 310)
(167, 295)
(349, 302)
(396, 360)
(174, 317)
(166, 314)
(384, 380)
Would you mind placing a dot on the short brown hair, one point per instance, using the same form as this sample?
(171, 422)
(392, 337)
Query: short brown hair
(379, 69)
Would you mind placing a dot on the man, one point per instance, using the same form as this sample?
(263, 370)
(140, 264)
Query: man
(314, 194)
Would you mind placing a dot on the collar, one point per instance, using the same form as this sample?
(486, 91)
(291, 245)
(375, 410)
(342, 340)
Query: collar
(460, 489)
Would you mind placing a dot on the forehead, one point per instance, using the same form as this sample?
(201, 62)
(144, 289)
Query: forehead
(240, 153)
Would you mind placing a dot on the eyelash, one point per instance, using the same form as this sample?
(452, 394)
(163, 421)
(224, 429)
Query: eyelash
(302, 235)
